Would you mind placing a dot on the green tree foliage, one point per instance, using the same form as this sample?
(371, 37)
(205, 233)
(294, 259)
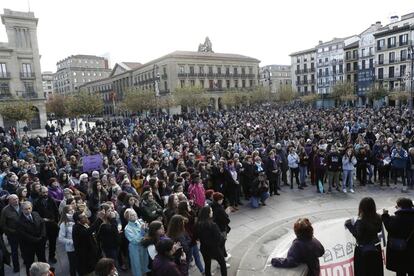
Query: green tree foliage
(17, 110)
(58, 105)
(286, 94)
(310, 98)
(137, 100)
(191, 97)
(233, 98)
(84, 103)
(260, 95)
(377, 93)
(343, 91)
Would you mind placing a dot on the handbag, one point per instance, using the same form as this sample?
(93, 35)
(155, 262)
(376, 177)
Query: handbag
(399, 244)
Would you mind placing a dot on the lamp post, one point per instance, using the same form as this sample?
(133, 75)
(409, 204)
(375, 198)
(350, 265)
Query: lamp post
(156, 77)
(411, 52)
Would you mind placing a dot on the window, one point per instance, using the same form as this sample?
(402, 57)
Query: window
(391, 71)
(371, 63)
(219, 70)
(182, 83)
(381, 59)
(334, 69)
(363, 52)
(227, 70)
(404, 39)
(363, 64)
(192, 82)
(341, 69)
(391, 42)
(391, 56)
(236, 83)
(211, 84)
(201, 69)
(250, 83)
(355, 66)
(320, 72)
(227, 83)
(202, 83)
(235, 70)
(28, 86)
(243, 83)
(27, 69)
(403, 55)
(320, 60)
(380, 44)
(210, 70)
(243, 71)
(181, 69)
(326, 71)
(348, 67)
(250, 70)
(191, 70)
(403, 70)
(348, 55)
(219, 84)
(3, 69)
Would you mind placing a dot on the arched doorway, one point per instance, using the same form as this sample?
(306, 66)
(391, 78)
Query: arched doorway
(35, 122)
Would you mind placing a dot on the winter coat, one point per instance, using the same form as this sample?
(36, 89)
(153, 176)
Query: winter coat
(399, 162)
(400, 226)
(302, 252)
(163, 266)
(65, 235)
(220, 217)
(197, 194)
(334, 162)
(210, 237)
(367, 254)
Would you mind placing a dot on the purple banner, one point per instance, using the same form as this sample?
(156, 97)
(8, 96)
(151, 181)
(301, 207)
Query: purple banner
(92, 163)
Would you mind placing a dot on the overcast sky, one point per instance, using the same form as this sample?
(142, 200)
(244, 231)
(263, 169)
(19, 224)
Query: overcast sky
(139, 31)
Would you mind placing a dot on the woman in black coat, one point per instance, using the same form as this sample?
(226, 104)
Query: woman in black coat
(367, 254)
(211, 240)
(400, 227)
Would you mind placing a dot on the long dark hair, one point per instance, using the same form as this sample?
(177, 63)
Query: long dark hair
(183, 209)
(367, 209)
(204, 215)
(176, 227)
(152, 237)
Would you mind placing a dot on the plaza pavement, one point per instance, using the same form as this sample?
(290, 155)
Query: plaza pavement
(250, 241)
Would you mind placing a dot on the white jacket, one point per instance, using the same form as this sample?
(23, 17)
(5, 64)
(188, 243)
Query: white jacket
(293, 160)
(65, 236)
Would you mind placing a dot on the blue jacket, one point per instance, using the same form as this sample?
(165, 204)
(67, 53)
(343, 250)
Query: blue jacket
(348, 165)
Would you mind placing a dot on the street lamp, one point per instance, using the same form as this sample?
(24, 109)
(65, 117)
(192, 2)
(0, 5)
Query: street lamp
(411, 52)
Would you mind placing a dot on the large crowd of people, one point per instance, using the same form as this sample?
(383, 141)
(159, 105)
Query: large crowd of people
(164, 186)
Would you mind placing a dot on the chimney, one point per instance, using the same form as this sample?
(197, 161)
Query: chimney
(320, 41)
(394, 19)
(378, 23)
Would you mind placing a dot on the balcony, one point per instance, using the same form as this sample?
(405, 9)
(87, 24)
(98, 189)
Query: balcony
(4, 75)
(182, 75)
(5, 95)
(27, 75)
(27, 94)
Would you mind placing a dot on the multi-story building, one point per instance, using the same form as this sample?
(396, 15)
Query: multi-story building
(392, 47)
(20, 72)
(303, 71)
(215, 72)
(76, 70)
(47, 81)
(366, 55)
(351, 64)
(275, 76)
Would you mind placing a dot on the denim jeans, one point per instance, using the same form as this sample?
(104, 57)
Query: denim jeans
(347, 177)
(195, 252)
(302, 174)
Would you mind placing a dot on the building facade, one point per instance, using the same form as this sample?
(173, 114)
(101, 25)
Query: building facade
(303, 71)
(214, 72)
(20, 72)
(366, 61)
(76, 70)
(274, 77)
(392, 62)
(47, 82)
(351, 64)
